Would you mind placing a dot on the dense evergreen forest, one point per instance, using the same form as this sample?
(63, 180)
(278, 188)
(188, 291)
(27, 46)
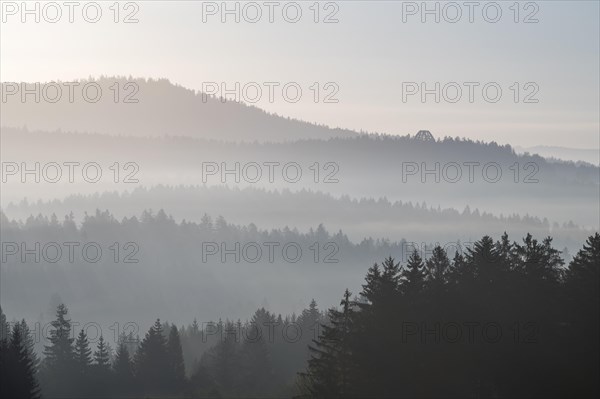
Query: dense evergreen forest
(358, 218)
(500, 181)
(505, 319)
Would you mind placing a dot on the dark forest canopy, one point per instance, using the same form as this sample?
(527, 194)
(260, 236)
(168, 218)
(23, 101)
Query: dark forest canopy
(506, 319)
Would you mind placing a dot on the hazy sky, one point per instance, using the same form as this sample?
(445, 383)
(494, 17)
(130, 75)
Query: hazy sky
(374, 49)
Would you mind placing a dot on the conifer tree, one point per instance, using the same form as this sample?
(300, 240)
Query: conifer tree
(582, 288)
(331, 372)
(101, 369)
(102, 356)
(30, 344)
(413, 276)
(223, 360)
(175, 365)
(151, 359)
(83, 353)
(83, 362)
(123, 370)
(4, 332)
(59, 354)
(17, 369)
(438, 267)
(58, 365)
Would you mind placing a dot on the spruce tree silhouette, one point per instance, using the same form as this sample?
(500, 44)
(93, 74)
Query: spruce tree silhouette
(123, 371)
(58, 365)
(330, 370)
(175, 366)
(83, 362)
(17, 367)
(151, 359)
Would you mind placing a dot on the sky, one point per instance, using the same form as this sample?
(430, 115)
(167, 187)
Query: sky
(373, 58)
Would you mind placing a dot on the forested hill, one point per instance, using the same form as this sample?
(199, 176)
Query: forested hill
(358, 218)
(449, 172)
(506, 319)
(151, 108)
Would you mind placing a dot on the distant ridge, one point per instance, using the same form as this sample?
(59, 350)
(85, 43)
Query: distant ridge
(162, 108)
(563, 153)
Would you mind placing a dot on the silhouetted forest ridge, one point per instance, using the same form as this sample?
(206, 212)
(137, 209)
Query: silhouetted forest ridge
(180, 261)
(162, 108)
(506, 319)
(528, 184)
(360, 149)
(358, 218)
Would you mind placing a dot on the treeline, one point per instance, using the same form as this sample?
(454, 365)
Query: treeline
(157, 232)
(506, 319)
(259, 357)
(154, 244)
(192, 114)
(353, 216)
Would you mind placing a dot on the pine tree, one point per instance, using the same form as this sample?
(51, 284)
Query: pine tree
(310, 317)
(83, 362)
(331, 372)
(5, 369)
(176, 365)
(123, 370)
(486, 263)
(102, 357)
(4, 332)
(59, 354)
(378, 322)
(30, 344)
(539, 261)
(583, 274)
(438, 267)
(460, 272)
(58, 365)
(582, 288)
(18, 374)
(371, 286)
(222, 361)
(101, 368)
(83, 353)
(413, 276)
(257, 374)
(150, 360)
